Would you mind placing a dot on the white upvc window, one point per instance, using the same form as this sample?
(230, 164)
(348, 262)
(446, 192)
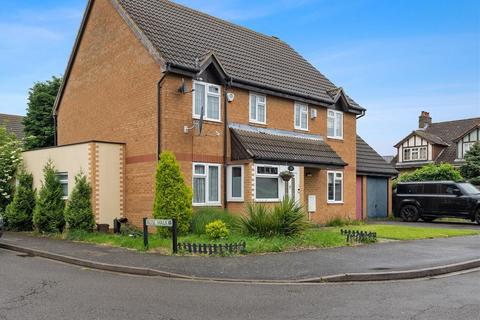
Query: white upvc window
(235, 183)
(334, 124)
(63, 178)
(301, 116)
(415, 153)
(267, 183)
(206, 96)
(206, 184)
(258, 108)
(334, 186)
(466, 147)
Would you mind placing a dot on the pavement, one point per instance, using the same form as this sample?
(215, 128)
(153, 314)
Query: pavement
(33, 288)
(380, 261)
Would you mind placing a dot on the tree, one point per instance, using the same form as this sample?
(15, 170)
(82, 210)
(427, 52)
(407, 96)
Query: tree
(48, 213)
(433, 172)
(173, 198)
(471, 169)
(39, 127)
(10, 158)
(19, 213)
(79, 213)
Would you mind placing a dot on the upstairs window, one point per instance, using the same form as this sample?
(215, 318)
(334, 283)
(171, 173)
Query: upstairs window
(206, 96)
(301, 116)
(416, 153)
(258, 108)
(334, 124)
(466, 147)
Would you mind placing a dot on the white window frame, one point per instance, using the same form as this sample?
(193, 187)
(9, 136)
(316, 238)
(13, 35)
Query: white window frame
(335, 114)
(205, 175)
(267, 175)
(334, 179)
(207, 93)
(302, 109)
(417, 151)
(257, 103)
(464, 147)
(63, 182)
(230, 197)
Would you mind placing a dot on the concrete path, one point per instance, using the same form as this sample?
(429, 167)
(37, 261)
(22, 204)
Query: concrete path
(380, 257)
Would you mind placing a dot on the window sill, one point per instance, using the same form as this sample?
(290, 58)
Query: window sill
(335, 202)
(207, 204)
(267, 200)
(335, 138)
(258, 124)
(212, 121)
(300, 129)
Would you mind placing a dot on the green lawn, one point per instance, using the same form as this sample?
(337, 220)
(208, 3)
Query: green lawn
(412, 233)
(325, 237)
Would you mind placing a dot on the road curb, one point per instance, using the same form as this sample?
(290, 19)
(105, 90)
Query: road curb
(344, 277)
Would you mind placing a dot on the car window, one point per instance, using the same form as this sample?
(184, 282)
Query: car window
(430, 189)
(414, 189)
(447, 188)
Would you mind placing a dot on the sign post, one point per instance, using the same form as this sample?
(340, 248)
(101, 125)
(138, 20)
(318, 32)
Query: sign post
(171, 223)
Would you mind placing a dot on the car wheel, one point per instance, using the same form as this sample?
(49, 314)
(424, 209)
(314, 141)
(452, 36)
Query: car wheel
(477, 215)
(428, 219)
(409, 213)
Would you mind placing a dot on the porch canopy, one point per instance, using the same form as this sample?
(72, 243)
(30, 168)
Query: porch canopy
(282, 147)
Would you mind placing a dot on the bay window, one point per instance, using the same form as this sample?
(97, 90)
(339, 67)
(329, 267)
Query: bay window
(206, 184)
(235, 183)
(334, 124)
(206, 96)
(267, 183)
(335, 186)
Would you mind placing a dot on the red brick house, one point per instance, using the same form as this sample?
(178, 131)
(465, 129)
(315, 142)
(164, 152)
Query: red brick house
(238, 109)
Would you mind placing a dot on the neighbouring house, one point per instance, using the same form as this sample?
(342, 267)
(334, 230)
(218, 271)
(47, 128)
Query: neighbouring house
(436, 142)
(247, 117)
(13, 124)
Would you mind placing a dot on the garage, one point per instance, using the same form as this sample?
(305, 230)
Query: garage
(374, 174)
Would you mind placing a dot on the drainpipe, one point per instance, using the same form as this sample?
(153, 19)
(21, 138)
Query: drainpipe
(225, 128)
(159, 102)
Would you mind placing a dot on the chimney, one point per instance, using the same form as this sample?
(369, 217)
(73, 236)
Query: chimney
(424, 120)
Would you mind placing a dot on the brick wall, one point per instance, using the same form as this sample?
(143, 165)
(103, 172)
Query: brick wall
(111, 95)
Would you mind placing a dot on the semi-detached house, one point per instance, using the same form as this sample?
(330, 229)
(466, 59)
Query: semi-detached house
(238, 108)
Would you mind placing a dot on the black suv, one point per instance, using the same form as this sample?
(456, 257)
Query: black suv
(436, 199)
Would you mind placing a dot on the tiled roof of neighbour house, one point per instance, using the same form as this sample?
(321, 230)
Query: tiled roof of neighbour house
(13, 123)
(281, 146)
(370, 162)
(431, 137)
(449, 131)
(183, 37)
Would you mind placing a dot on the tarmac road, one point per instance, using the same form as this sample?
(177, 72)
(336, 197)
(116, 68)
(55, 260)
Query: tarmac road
(35, 288)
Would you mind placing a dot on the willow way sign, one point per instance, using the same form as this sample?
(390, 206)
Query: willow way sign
(170, 223)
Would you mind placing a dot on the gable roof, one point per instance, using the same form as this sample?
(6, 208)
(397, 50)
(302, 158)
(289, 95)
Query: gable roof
(369, 162)
(264, 144)
(182, 37)
(446, 134)
(13, 123)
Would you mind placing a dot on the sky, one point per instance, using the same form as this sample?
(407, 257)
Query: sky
(395, 58)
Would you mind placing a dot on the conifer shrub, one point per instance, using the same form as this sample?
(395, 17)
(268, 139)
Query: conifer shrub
(48, 213)
(173, 198)
(79, 213)
(19, 213)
